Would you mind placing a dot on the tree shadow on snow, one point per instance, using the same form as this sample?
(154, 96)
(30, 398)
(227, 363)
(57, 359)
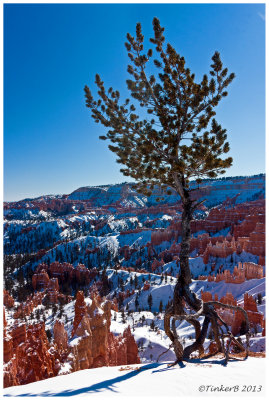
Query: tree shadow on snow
(221, 361)
(200, 361)
(171, 366)
(108, 384)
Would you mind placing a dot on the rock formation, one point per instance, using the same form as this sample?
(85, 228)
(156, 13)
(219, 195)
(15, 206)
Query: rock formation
(241, 273)
(64, 272)
(60, 335)
(8, 300)
(32, 358)
(40, 280)
(24, 309)
(93, 345)
(235, 319)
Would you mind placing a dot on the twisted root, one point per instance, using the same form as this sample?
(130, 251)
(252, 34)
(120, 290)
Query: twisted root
(211, 316)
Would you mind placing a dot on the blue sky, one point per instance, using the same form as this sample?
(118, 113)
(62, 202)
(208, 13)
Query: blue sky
(51, 145)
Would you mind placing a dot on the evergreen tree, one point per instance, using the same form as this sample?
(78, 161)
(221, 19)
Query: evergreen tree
(49, 334)
(123, 316)
(259, 298)
(136, 303)
(120, 302)
(180, 140)
(150, 300)
(105, 284)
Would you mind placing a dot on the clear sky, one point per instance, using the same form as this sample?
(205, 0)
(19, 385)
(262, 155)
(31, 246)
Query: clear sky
(51, 145)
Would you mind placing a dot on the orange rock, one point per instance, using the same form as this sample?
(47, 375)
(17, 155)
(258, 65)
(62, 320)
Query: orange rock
(28, 306)
(243, 272)
(29, 356)
(8, 348)
(228, 299)
(64, 272)
(60, 335)
(40, 280)
(93, 344)
(146, 286)
(8, 300)
(53, 290)
(206, 296)
(159, 236)
(18, 334)
(10, 374)
(33, 359)
(82, 349)
(132, 349)
(80, 310)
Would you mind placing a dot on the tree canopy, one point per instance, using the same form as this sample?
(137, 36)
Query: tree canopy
(179, 139)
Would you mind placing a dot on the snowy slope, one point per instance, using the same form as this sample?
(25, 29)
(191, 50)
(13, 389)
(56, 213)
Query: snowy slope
(241, 189)
(154, 380)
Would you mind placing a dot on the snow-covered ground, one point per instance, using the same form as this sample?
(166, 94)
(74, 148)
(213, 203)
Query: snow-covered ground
(205, 378)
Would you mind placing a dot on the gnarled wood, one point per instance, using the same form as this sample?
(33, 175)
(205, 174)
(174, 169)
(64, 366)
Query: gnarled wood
(207, 310)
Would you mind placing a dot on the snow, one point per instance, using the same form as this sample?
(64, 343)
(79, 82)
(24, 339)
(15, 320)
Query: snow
(154, 380)
(220, 190)
(75, 340)
(107, 232)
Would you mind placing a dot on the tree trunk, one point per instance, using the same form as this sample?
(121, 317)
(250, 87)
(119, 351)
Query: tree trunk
(184, 278)
(185, 275)
(184, 296)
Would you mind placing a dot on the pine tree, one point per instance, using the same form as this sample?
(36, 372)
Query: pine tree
(135, 281)
(136, 303)
(259, 298)
(150, 301)
(123, 320)
(49, 334)
(179, 141)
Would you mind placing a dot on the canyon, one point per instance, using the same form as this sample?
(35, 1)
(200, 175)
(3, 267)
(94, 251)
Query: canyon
(79, 270)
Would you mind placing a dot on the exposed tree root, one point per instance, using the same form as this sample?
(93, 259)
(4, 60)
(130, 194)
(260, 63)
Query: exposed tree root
(211, 316)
